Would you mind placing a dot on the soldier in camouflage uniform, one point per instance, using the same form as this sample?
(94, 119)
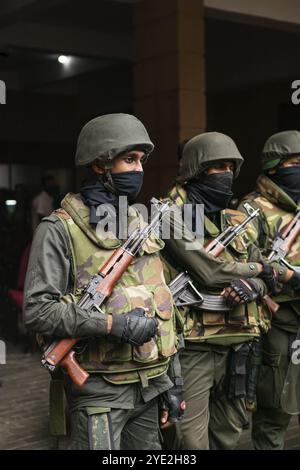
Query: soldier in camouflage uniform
(277, 195)
(126, 352)
(219, 347)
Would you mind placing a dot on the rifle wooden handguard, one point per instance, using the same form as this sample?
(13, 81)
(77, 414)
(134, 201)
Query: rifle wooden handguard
(272, 305)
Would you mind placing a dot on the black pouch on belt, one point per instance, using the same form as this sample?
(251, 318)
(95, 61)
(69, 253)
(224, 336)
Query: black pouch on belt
(237, 377)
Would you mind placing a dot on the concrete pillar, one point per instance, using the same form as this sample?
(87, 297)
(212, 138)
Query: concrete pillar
(169, 81)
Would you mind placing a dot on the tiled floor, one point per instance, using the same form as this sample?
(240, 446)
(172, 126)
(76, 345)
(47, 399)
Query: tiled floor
(24, 407)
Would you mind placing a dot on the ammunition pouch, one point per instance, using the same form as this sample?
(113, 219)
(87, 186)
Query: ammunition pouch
(236, 379)
(241, 380)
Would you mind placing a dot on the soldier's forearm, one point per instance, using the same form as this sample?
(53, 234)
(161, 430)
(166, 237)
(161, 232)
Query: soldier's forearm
(209, 271)
(63, 320)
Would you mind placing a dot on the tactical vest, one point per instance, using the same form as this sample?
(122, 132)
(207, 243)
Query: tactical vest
(243, 322)
(277, 211)
(142, 285)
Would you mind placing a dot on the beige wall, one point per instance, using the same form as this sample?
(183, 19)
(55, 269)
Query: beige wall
(280, 10)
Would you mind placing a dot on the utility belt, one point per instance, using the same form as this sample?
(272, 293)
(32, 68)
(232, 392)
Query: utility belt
(242, 375)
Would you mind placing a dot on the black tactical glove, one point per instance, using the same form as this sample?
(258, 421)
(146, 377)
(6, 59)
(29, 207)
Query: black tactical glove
(294, 282)
(173, 402)
(270, 277)
(134, 327)
(240, 291)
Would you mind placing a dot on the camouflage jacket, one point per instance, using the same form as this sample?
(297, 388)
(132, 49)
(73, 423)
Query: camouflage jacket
(276, 211)
(240, 324)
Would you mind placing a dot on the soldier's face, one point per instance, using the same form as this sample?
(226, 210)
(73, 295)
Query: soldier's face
(293, 161)
(222, 167)
(129, 161)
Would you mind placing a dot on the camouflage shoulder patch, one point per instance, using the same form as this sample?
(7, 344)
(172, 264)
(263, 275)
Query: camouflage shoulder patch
(211, 228)
(62, 214)
(178, 195)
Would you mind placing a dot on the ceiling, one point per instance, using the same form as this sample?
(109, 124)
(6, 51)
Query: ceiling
(97, 35)
(33, 33)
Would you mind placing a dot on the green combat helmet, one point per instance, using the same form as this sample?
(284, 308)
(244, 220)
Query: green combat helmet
(280, 146)
(105, 137)
(204, 149)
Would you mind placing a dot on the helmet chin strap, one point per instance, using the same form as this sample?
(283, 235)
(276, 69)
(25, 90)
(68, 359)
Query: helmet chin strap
(108, 182)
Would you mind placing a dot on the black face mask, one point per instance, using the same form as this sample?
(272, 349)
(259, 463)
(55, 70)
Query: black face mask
(214, 191)
(219, 181)
(128, 183)
(288, 179)
(94, 192)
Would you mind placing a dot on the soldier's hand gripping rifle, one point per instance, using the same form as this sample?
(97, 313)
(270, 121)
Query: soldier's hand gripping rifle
(185, 293)
(284, 241)
(60, 352)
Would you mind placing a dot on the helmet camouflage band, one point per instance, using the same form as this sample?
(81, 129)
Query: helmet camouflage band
(105, 137)
(205, 149)
(279, 147)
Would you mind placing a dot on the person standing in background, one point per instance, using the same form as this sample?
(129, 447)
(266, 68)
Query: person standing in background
(45, 202)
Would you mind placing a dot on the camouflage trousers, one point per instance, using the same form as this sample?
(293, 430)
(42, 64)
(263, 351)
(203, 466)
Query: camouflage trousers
(97, 428)
(211, 420)
(270, 422)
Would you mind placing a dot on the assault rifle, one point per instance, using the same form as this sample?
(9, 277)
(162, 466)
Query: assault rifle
(183, 289)
(60, 352)
(284, 241)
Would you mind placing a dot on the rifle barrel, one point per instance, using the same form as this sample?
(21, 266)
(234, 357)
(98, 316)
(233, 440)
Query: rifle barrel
(144, 234)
